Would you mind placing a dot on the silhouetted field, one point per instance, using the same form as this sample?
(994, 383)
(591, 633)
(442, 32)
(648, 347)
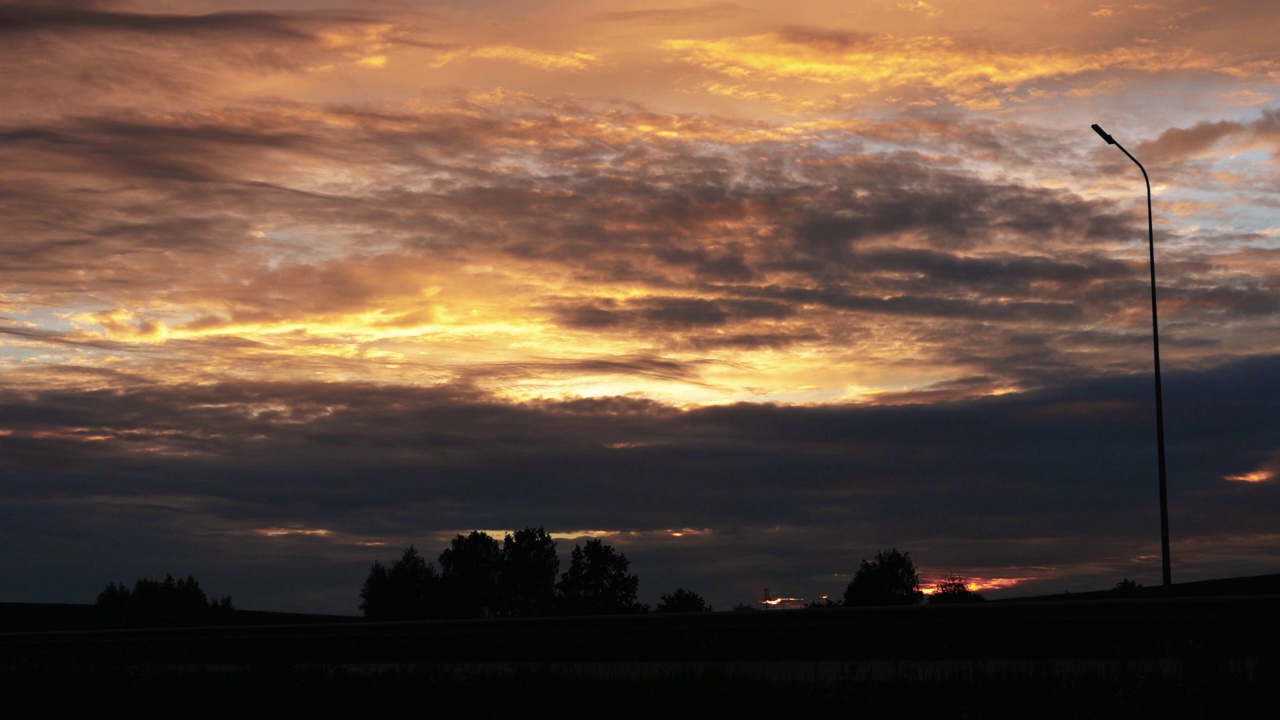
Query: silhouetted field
(1043, 690)
(1233, 627)
(1191, 657)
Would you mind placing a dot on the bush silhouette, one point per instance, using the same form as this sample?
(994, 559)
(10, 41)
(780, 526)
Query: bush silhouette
(682, 601)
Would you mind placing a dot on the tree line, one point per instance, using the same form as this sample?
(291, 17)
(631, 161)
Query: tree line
(480, 578)
(184, 594)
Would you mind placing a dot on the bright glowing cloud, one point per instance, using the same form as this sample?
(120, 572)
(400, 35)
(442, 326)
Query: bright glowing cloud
(1257, 476)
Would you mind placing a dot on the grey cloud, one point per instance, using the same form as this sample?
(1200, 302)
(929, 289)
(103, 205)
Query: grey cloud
(22, 18)
(59, 338)
(825, 39)
(150, 150)
(672, 312)
(925, 306)
(1070, 467)
(1178, 144)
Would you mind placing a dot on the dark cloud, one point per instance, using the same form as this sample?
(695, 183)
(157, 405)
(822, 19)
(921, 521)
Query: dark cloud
(39, 335)
(826, 39)
(1178, 144)
(1060, 469)
(672, 313)
(64, 17)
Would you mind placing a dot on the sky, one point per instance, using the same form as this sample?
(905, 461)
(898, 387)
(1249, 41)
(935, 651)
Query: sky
(749, 290)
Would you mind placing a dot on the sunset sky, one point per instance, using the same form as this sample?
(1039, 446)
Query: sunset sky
(750, 290)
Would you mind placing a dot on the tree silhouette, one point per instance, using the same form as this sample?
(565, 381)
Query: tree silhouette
(169, 593)
(527, 578)
(1126, 588)
(682, 601)
(408, 590)
(114, 596)
(597, 582)
(952, 590)
(890, 579)
(469, 571)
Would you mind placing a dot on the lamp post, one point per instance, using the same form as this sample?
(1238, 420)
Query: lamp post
(1155, 344)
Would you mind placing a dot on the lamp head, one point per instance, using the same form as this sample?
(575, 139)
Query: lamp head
(1110, 140)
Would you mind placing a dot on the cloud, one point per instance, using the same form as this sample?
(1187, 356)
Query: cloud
(768, 483)
(1214, 139)
(673, 16)
(859, 65)
(70, 17)
(674, 313)
(336, 239)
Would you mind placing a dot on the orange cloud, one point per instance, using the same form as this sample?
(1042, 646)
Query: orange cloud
(858, 64)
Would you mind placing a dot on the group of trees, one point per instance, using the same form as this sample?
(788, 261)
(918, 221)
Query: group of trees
(168, 593)
(478, 578)
(891, 579)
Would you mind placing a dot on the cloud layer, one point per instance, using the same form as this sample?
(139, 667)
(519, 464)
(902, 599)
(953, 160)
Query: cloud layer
(725, 282)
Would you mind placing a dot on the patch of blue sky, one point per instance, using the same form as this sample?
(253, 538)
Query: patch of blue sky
(1229, 162)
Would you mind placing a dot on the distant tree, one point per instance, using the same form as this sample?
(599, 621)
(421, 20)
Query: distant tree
(825, 602)
(527, 577)
(469, 571)
(1126, 588)
(114, 596)
(890, 579)
(408, 590)
(744, 607)
(682, 601)
(952, 590)
(169, 593)
(597, 582)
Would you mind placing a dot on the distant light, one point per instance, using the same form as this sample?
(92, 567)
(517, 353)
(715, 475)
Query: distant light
(1256, 476)
(279, 531)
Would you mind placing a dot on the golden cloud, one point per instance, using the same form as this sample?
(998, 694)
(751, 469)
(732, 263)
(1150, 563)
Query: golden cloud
(869, 64)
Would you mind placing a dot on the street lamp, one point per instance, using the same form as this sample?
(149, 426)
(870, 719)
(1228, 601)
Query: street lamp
(1155, 343)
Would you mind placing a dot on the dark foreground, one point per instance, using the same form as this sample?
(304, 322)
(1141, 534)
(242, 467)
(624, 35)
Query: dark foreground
(1196, 657)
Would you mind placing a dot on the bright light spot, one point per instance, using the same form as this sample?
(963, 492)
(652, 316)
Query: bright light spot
(974, 584)
(278, 531)
(1253, 477)
(575, 534)
(689, 532)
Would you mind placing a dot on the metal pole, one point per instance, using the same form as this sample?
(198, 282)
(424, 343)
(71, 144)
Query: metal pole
(1155, 343)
